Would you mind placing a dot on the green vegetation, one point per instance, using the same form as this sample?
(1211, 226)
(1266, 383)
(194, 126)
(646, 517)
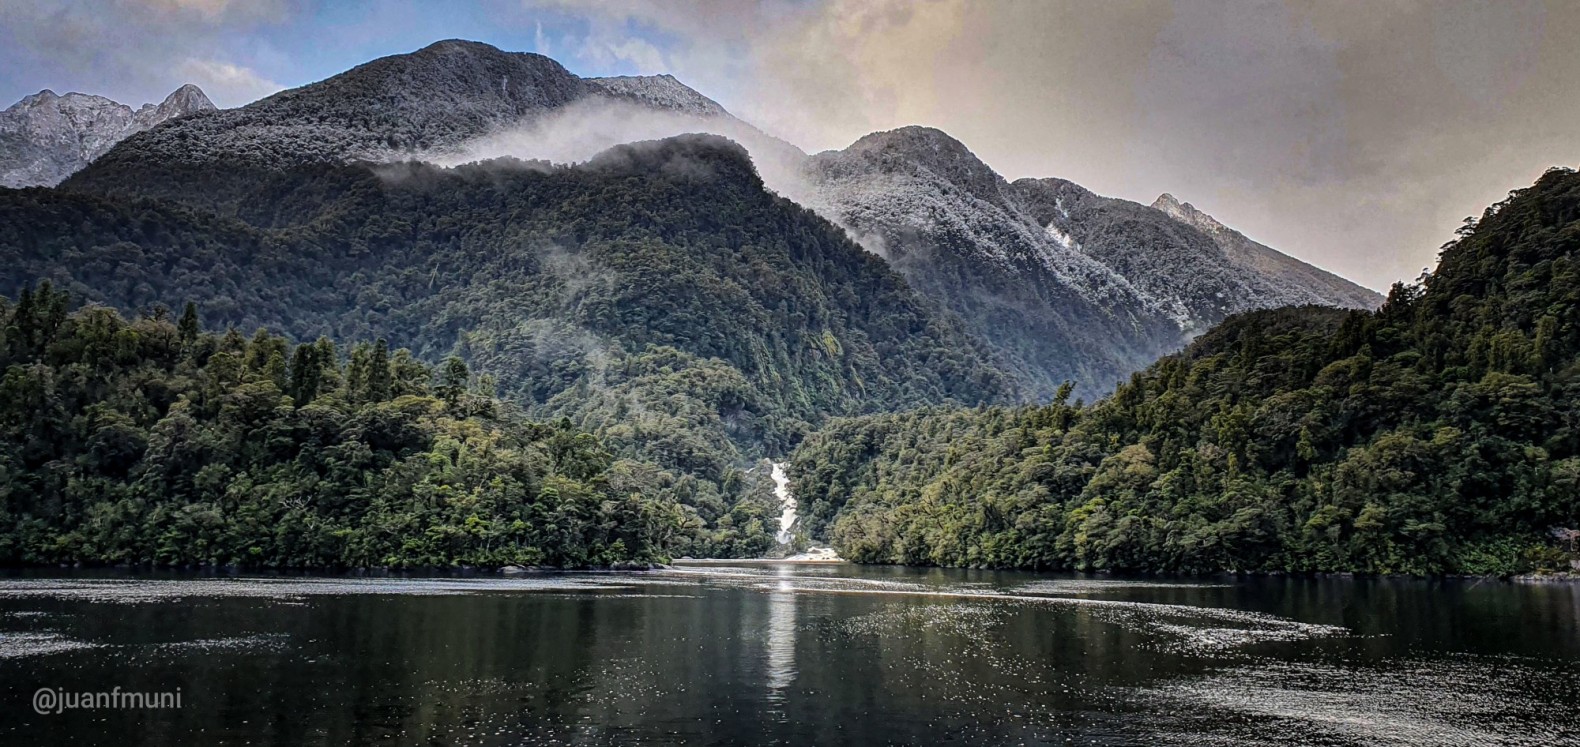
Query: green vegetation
(669, 322)
(148, 441)
(657, 297)
(1440, 434)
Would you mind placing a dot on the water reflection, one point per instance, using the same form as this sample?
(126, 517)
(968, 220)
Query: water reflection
(783, 654)
(781, 635)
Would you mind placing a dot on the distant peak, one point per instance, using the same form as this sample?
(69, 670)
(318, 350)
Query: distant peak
(928, 146)
(911, 136)
(915, 146)
(42, 97)
(1186, 212)
(1170, 204)
(459, 45)
(188, 98)
(663, 91)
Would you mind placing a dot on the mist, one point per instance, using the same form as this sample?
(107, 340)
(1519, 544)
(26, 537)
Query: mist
(582, 130)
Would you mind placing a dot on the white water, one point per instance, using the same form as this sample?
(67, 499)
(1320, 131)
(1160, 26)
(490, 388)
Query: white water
(787, 503)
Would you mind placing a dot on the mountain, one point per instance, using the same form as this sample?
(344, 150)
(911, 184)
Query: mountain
(1066, 284)
(45, 138)
(657, 295)
(1295, 280)
(695, 304)
(962, 236)
(425, 105)
(1436, 434)
(1058, 299)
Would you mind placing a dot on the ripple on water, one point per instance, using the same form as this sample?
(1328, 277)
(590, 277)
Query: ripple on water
(261, 642)
(135, 591)
(1173, 628)
(1467, 701)
(18, 645)
(1077, 586)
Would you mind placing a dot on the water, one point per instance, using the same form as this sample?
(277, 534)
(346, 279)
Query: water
(797, 655)
(787, 503)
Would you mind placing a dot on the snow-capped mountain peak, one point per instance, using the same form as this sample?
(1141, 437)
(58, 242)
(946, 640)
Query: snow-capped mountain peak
(46, 137)
(184, 100)
(659, 92)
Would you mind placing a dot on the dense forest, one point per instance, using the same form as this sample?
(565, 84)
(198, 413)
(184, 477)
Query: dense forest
(1439, 434)
(657, 296)
(617, 341)
(150, 441)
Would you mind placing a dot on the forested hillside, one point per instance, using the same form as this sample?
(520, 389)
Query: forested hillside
(657, 296)
(149, 441)
(1438, 434)
(1052, 282)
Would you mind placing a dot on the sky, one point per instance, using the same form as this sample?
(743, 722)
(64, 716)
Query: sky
(1353, 134)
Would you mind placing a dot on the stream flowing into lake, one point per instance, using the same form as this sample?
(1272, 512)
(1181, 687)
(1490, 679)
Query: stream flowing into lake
(787, 503)
(797, 654)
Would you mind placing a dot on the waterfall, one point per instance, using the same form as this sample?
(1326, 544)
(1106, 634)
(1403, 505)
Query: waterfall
(788, 519)
(787, 504)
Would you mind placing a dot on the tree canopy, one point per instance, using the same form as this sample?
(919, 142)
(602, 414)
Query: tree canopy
(1439, 434)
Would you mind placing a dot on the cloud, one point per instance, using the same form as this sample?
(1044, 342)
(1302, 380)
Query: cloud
(226, 84)
(641, 55)
(213, 11)
(1350, 133)
(137, 51)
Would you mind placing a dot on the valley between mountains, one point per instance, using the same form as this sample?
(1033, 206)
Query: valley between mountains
(464, 307)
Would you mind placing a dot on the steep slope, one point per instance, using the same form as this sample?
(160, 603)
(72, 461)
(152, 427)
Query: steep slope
(1295, 281)
(45, 138)
(661, 92)
(185, 448)
(958, 233)
(1437, 434)
(1088, 299)
(424, 105)
(656, 294)
(1065, 283)
(1176, 265)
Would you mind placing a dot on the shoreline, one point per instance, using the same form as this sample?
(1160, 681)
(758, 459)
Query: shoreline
(1562, 577)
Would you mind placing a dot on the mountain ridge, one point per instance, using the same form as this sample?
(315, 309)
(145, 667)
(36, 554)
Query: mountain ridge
(1271, 262)
(1060, 301)
(1434, 435)
(45, 137)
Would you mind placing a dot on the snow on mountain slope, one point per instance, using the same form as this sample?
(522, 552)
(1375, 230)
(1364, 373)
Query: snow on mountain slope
(44, 138)
(1170, 261)
(963, 236)
(450, 101)
(1065, 284)
(659, 92)
(918, 179)
(1296, 282)
(1046, 268)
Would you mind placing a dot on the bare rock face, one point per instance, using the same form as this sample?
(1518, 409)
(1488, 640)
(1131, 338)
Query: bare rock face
(45, 138)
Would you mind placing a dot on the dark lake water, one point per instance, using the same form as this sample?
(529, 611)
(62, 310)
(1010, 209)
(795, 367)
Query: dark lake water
(753, 654)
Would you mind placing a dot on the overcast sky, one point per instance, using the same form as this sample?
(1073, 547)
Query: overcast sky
(1354, 135)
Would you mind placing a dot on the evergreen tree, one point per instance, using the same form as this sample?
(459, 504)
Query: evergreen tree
(189, 326)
